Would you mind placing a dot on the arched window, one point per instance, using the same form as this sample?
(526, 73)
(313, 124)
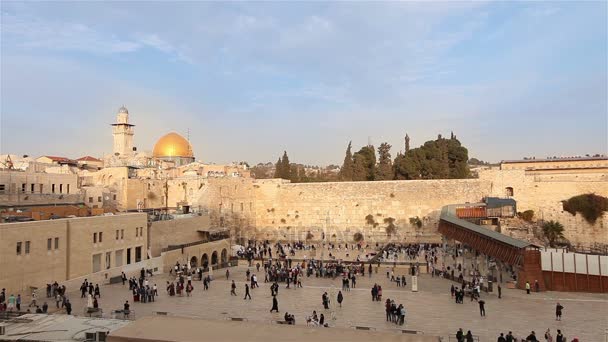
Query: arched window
(205, 260)
(509, 191)
(224, 256)
(193, 261)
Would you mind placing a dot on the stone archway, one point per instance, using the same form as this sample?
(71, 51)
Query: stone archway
(194, 261)
(224, 256)
(205, 260)
(214, 258)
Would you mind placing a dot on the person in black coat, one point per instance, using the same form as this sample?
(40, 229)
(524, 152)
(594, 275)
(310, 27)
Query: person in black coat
(275, 304)
(340, 298)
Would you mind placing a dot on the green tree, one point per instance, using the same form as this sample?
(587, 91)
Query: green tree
(436, 159)
(553, 231)
(278, 169)
(384, 171)
(359, 168)
(346, 172)
(285, 167)
(368, 158)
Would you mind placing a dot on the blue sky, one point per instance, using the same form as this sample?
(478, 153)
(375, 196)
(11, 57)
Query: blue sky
(249, 80)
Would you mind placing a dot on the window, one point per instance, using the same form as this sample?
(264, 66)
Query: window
(90, 199)
(136, 231)
(68, 189)
(98, 198)
(56, 243)
(137, 254)
(94, 237)
(49, 244)
(60, 188)
(108, 260)
(23, 187)
(53, 188)
(509, 191)
(116, 234)
(32, 187)
(27, 247)
(114, 197)
(100, 236)
(141, 231)
(41, 187)
(122, 234)
(19, 248)
(2, 188)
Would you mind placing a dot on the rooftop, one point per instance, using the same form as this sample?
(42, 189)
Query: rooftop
(171, 328)
(552, 160)
(40, 327)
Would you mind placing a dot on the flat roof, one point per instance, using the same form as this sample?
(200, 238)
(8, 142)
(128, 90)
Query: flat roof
(448, 215)
(184, 329)
(545, 160)
(63, 328)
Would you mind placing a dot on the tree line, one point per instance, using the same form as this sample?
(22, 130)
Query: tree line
(435, 159)
(441, 158)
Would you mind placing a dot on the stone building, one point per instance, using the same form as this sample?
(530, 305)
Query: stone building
(33, 254)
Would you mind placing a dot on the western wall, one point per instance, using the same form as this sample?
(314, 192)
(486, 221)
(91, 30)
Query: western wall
(278, 209)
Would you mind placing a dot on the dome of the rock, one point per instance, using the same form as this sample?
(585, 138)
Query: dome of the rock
(173, 147)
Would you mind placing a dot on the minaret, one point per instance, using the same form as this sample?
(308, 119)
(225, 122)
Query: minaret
(407, 143)
(123, 133)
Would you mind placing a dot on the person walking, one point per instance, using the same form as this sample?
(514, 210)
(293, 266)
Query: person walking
(340, 298)
(227, 274)
(18, 302)
(247, 292)
(527, 287)
(275, 304)
(558, 312)
(499, 291)
(536, 286)
(501, 338)
(68, 307)
(482, 307)
(233, 289)
(469, 337)
(510, 337)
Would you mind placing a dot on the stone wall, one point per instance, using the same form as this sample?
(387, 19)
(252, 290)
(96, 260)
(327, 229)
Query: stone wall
(175, 232)
(281, 210)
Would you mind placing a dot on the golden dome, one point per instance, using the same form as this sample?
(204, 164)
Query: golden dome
(172, 145)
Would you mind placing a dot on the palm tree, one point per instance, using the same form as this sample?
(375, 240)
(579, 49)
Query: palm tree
(553, 231)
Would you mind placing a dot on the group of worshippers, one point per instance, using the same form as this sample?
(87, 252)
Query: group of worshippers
(394, 313)
(376, 293)
(140, 287)
(13, 303)
(559, 337)
(458, 294)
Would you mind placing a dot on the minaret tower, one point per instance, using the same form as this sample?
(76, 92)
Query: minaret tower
(123, 133)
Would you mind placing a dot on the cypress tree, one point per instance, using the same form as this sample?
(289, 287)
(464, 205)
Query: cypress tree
(346, 172)
(285, 166)
(278, 169)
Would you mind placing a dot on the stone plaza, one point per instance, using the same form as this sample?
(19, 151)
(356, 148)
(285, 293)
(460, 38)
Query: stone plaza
(430, 310)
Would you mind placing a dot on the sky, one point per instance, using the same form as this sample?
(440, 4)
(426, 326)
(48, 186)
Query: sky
(249, 80)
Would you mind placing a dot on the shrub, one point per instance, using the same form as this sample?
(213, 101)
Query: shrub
(554, 231)
(358, 237)
(415, 221)
(390, 228)
(590, 206)
(283, 220)
(527, 215)
(309, 236)
(369, 219)
(392, 195)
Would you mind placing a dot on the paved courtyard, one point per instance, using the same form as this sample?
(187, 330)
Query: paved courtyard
(430, 310)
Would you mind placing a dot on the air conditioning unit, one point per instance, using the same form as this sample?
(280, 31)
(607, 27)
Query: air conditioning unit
(98, 336)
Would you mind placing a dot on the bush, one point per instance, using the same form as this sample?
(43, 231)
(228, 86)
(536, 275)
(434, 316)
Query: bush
(390, 228)
(591, 206)
(415, 221)
(309, 236)
(358, 237)
(283, 220)
(527, 215)
(369, 219)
